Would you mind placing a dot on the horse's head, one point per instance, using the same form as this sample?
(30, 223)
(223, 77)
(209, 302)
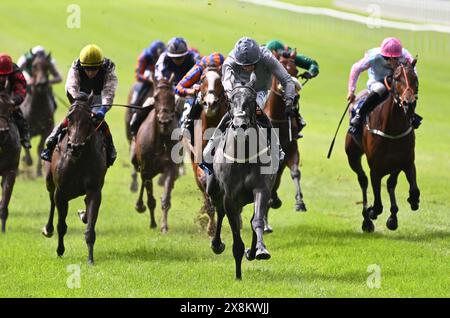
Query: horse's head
(405, 86)
(243, 105)
(164, 103)
(40, 69)
(287, 59)
(6, 108)
(211, 91)
(80, 127)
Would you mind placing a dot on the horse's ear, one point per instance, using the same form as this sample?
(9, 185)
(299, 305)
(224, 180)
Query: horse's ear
(293, 54)
(90, 98)
(414, 62)
(49, 56)
(172, 76)
(252, 81)
(155, 82)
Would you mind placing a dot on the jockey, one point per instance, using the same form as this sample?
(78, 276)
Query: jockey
(90, 73)
(13, 82)
(302, 61)
(248, 57)
(189, 86)
(25, 63)
(380, 62)
(176, 60)
(144, 70)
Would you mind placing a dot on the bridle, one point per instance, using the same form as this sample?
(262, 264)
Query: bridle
(400, 99)
(70, 143)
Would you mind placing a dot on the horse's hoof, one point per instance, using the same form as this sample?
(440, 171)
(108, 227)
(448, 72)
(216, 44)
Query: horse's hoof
(90, 262)
(164, 229)
(218, 249)
(82, 215)
(60, 251)
(134, 187)
(39, 174)
(262, 253)
(140, 208)
(300, 207)
(248, 255)
(368, 227)
(372, 214)
(392, 223)
(28, 161)
(47, 233)
(275, 203)
(152, 225)
(268, 229)
(414, 205)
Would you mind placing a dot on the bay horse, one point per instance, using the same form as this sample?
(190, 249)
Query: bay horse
(214, 106)
(239, 181)
(9, 154)
(388, 141)
(77, 168)
(275, 110)
(38, 107)
(151, 153)
(128, 114)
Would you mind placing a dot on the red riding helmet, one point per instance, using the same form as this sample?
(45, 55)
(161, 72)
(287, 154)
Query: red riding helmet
(6, 64)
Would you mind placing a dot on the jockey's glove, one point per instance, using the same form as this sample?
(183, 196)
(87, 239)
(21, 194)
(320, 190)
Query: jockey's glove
(100, 114)
(290, 109)
(306, 75)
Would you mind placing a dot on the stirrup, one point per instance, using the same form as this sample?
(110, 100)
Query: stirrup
(206, 167)
(46, 154)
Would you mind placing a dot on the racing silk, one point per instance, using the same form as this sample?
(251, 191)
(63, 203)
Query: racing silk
(307, 63)
(25, 63)
(104, 84)
(165, 67)
(15, 86)
(193, 76)
(378, 67)
(234, 74)
(146, 62)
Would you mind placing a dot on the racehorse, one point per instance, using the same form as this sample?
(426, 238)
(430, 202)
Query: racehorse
(275, 110)
(9, 154)
(213, 99)
(128, 114)
(151, 154)
(77, 168)
(388, 141)
(239, 181)
(38, 107)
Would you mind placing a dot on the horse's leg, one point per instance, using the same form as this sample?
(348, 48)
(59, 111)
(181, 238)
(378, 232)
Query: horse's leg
(296, 175)
(140, 207)
(260, 210)
(377, 207)
(134, 183)
(62, 206)
(354, 154)
(392, 223)
(8, 180)
(151, 202)
(210, 211)
(238, 244)
(47, 230)
(250, 253)
(39, 160)
(93, 201)
(275, 202)
(165, 199)
(27, 158)
(414, 192)
(216, 244)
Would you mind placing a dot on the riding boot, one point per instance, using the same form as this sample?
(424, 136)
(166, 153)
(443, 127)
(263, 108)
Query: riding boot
(416, 120)
(265, 122)
(208, 152)
(22, 125)
(301, 123)
(137, 119)
(51, 141)
(372, 100)
(52, 98)
(111, 153)
(190, 116)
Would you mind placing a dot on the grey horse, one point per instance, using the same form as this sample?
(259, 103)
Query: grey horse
(238, 181)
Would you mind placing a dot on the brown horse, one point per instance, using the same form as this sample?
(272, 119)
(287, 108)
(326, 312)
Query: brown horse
(213, 99)
(9, 155)
(388, 142)
(128, 114)
(275, 110)
(151, 153)
(38, 107)
(78, 167)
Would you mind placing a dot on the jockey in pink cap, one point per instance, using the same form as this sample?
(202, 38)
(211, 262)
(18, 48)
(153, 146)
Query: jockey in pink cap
(380, 62)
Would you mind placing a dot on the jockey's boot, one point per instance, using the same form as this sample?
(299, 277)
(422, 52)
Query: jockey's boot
(111, 153)
(265, 122)
(301, 123)
(208, 152)
(51, 141)
(22, 125)
(372, 100)
(137, 119)
(416, 120)
(189, 117)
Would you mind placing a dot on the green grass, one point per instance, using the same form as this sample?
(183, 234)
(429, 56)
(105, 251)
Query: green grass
(322, 253)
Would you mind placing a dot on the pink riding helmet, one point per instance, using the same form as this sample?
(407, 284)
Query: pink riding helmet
(391, 47)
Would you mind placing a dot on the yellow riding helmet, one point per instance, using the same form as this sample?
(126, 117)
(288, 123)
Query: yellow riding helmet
(91, 55)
